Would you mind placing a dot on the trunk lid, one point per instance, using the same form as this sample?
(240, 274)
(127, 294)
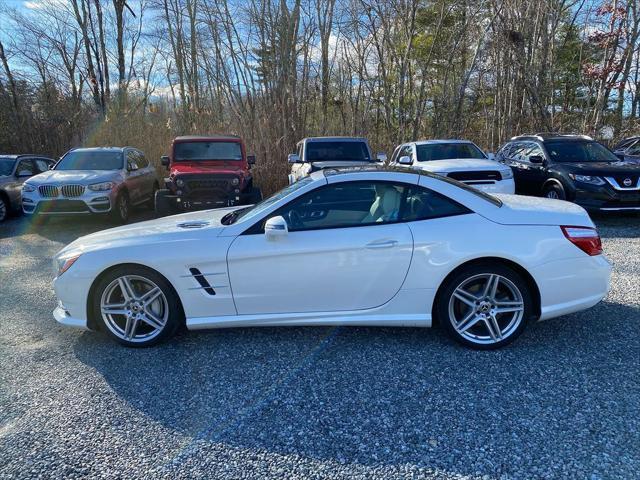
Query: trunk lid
(524, 210)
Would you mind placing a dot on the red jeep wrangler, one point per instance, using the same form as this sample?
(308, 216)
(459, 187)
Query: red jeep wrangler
(206, 172)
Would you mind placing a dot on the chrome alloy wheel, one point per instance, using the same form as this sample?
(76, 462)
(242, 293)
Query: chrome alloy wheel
(486, 308)
(134, 308)
(552, 194)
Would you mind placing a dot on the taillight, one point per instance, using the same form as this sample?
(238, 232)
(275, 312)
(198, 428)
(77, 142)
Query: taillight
(585, 238)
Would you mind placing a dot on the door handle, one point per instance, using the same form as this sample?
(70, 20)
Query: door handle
(385, 244)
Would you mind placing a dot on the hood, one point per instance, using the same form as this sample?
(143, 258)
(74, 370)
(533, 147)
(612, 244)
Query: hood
(173, 228)
(598, 168)
(207, 166)
(523, 210)
(460, 165)
(339, 163)
(83, 177)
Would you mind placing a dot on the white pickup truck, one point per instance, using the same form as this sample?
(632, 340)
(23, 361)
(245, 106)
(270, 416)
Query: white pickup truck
(318, 153)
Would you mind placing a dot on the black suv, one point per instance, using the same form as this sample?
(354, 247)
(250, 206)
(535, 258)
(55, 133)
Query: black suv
(574, 168)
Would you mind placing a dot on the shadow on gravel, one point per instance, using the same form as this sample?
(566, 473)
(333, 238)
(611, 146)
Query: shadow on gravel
(561, 394)
(617, 224)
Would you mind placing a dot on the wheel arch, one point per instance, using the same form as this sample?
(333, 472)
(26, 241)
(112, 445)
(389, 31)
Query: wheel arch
(94, 323)
(555, 180)
(531, 283)
(5, 196)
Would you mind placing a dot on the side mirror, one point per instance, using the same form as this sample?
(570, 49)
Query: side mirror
(537, 159)
(491, 156)
(620, 156)
(275, 228)
(131, 167)
(164, 161)
(405, 160)
(293, 158)
(251, 159)
(381, 157)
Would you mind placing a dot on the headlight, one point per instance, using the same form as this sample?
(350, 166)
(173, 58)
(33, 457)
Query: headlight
(64, 263)
(587, 179)
(235, 181)
(506, 174)
(28, 188)
(101, 187)
(180, 182)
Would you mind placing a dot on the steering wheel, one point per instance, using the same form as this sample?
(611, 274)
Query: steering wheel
(294, 220)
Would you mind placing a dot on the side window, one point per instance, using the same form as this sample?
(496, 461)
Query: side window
(423, 204)
(634, 150)
(41, 165)
(505, 150)
(534, 150)
(347, 204)
(519, 152)
(406, 150)
(25, 168)
(132, 160)
(299, 150)
(142, 160)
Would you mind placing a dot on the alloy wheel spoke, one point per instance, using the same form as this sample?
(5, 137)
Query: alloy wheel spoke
(114, 309)
(130, 327)
(467, 322)
(152, 320)
(465, 297)
(515, 308)
(151, 295)
(491, 287)
(126, 288)
(492, 326)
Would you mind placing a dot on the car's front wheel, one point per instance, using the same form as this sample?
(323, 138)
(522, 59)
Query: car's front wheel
(121, 209)
(137, 306)
(4, 209)
(484, 306)
(555, 192)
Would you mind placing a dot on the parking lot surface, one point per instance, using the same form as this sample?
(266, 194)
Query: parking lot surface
(563, 401)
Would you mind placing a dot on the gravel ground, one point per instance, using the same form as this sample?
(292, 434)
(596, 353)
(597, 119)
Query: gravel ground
(562, 402)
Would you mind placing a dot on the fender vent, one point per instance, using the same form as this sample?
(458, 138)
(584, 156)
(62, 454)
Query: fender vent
(206, 286)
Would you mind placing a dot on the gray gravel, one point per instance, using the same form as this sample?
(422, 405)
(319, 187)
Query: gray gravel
(562, 402)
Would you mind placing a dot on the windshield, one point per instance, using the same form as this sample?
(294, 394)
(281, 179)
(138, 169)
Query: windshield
(90, 160)
(6, 166)
(337, 151)
(447, 151)
(250, 212)
(579, 152)
(193, 151)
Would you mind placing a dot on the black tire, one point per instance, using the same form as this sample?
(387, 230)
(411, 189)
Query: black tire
(252, 196)
(4, 209)
(121, 209)
(554, 191)
(152, 200)
(449, 308)
(115, 325)
(163, 204)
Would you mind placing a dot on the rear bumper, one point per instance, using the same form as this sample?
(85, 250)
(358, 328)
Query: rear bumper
(572, 285)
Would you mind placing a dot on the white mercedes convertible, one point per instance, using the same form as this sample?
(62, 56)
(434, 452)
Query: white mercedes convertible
(361, 246)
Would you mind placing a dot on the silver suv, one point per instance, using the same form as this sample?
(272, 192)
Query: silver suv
(86, 181)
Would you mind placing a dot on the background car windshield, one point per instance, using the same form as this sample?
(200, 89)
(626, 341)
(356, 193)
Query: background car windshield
(447, 151)
(6, 166)
(193, 151)
(580, 152)
(337, 151)
(90, 160)
(267, 202)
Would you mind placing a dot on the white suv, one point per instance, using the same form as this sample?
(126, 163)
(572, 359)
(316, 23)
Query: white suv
(460, 160)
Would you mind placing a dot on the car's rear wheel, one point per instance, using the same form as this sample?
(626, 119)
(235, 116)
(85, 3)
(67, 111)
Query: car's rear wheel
(4, 209)
(137, 306)
(484, 306)
(555, 192)
(121, 209)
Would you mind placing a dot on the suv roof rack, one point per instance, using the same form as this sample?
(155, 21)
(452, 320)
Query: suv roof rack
(548, 135)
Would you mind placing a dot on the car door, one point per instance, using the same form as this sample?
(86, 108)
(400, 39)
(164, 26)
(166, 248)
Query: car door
(535, 173)
(517, 160)
(147, 174)
(345, 250)
(135, 177)
(24, 170)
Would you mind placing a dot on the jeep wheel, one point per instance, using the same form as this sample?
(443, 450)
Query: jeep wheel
(163, 204)
(252, 196)
(120, 210)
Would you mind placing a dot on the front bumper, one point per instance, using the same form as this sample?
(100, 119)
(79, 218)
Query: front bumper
(86, 204)
(605, 198)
